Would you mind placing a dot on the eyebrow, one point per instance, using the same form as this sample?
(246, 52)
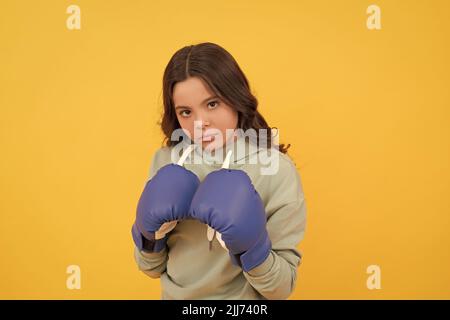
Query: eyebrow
(213, 97)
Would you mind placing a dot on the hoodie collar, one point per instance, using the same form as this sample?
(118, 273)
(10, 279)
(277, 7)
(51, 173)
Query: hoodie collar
(242, 150)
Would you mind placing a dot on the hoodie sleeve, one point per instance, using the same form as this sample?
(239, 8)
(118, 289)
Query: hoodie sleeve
(152, 264)
(276, 277)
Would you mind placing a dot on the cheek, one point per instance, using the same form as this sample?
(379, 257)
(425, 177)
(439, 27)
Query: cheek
(187, 125)
(228, 118)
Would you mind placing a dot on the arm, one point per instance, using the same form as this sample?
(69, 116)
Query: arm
(262, 239)
(286, 209)
(152, 264)
(276, 277)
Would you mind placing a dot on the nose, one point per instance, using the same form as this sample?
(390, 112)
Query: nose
(201, 123)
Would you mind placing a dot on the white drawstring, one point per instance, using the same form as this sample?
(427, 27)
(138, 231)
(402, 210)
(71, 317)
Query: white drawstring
(210, 231)
(186, 154)
(166, 227)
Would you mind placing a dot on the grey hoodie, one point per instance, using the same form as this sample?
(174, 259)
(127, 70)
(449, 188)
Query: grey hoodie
(190, 269)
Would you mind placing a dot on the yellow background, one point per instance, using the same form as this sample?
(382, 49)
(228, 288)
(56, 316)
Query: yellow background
(367, 114)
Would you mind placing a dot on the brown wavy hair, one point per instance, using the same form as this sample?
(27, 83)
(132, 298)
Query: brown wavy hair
(220, 71)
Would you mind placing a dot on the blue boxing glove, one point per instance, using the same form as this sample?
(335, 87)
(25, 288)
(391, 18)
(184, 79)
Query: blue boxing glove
(227, 201)
(165, 200)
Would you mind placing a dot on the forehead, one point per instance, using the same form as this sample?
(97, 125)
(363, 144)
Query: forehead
(190, 92)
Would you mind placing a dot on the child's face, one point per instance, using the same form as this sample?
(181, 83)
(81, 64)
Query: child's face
(199, 110)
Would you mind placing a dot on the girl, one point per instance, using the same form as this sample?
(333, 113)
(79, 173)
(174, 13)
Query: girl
(257, 213)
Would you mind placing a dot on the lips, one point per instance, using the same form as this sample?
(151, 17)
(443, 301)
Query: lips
(209, 137)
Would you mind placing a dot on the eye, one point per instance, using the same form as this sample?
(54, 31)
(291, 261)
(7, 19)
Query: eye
(183, 113)
(213, 104)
